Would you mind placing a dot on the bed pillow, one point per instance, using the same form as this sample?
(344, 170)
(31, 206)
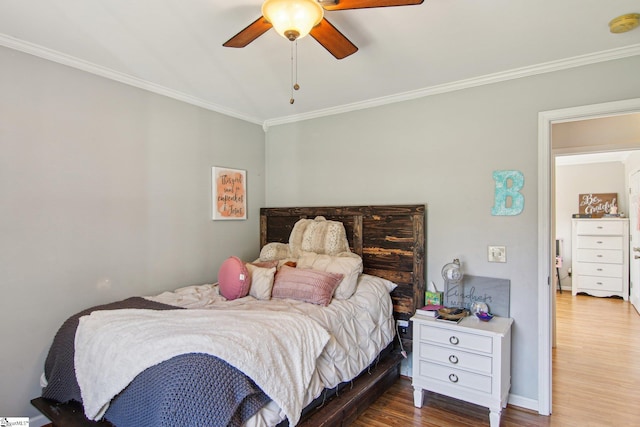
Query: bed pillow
(265, 264)
(313, 286)
(233, 279)
(291, 262)
(274, 251)
(346, 263)
(318, 235)
(261, 281)
(369, 279)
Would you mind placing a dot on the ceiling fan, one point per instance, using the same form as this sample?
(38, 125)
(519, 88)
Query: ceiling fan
(312, 13)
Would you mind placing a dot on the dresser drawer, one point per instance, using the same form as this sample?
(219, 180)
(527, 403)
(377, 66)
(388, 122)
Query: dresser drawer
(456, 339)
(455, 358)
(599, 242)
(600, 270)
(600, 283)
(455, 377)
(597, 255)
(599, 227)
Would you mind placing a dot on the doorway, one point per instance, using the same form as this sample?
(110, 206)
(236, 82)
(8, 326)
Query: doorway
(604, 174)
(546, 225)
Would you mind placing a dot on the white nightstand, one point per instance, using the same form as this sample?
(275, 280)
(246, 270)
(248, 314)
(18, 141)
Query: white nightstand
(469, 360)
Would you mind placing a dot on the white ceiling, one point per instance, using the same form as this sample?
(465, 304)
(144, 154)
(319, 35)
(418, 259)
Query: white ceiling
(174, 47)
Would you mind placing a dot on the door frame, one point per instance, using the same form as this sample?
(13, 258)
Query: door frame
(634, 297)
(546, 262)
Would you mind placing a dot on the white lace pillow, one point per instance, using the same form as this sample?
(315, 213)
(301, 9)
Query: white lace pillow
(318, 235)
(346, 263)
(274, 251)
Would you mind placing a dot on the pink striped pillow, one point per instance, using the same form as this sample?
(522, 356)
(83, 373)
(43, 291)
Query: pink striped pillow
(313, 286)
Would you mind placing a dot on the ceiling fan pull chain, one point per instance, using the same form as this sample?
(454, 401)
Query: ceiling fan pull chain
(291, 100)
(294, 70)
(296, 86)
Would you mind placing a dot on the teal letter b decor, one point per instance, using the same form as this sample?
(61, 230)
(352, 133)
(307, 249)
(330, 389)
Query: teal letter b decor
(508, 200)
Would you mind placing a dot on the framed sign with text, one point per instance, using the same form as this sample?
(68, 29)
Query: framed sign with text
(229, 188)
(597, 204)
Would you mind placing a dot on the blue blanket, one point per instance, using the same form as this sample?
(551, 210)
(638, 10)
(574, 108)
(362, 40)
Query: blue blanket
(187, 390)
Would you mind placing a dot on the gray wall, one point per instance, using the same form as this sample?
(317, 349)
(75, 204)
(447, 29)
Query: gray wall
(105, 190)
(105, 193)
(442, 150)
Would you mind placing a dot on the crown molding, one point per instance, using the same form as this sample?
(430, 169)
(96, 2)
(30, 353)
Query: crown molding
(548, 67)
(71, 61)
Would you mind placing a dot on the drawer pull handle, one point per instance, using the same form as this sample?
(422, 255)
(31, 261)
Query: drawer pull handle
(453, 378)
(599, 269)
(453, 359)
(454, 340)
(599, 256)
(636, 257)
(598, 283)
(636, 249)
(599, 227)
(599, 242)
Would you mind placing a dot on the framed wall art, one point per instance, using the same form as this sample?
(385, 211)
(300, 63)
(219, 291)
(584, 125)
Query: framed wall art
(229, 188)
(597, 204)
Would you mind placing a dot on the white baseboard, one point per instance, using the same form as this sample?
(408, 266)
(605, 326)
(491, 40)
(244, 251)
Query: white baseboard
(523, 402)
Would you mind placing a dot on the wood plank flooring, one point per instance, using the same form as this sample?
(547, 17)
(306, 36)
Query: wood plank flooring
(596, 377)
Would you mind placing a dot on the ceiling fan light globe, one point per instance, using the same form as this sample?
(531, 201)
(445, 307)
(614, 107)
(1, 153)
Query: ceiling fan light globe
(291, 17)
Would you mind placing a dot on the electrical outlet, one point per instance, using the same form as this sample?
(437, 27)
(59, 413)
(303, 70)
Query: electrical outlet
(497, 253)
(403, 326)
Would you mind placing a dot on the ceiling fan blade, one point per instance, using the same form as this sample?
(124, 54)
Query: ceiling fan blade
(363, 4)
(249, 34)
(333, 40)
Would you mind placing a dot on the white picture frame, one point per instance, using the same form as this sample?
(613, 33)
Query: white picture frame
(228, 193)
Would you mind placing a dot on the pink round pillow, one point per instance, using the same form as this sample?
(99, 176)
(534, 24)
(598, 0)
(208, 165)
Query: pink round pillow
(233, 279)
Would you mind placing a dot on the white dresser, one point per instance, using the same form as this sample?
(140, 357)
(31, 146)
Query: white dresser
(600, 257)
(470, 361)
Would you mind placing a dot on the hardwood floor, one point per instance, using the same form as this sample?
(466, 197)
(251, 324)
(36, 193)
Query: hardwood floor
(596, 377)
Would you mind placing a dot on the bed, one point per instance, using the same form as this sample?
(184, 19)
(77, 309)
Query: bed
(331, 374)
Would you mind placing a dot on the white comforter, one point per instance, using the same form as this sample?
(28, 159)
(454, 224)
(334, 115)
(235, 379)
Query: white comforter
(278, 351)
(359, 329)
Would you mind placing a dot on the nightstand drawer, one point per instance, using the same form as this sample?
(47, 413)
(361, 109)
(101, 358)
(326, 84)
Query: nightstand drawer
(600, 270)
(596, 255)
(600, 283)
(600, 227)
(456, 338)
(455, 358)
(599, 242)
(455, 377)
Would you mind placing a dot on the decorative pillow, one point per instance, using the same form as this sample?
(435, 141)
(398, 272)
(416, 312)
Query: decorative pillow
(346, 263)
(274, 251)
(318, 235)
(291, 262)
(261, 281)
(368, 279)
(313, 286)
(265, 264)
(233, 279)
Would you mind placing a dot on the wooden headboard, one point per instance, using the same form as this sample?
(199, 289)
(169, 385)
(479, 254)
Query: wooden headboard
(389, 238)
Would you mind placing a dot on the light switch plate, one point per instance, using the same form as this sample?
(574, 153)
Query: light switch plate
(497, 253)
